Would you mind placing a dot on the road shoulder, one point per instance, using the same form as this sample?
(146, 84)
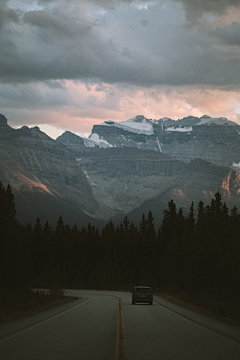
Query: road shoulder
(221, 328)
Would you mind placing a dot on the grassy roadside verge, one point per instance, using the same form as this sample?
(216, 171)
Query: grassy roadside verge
(16, 305)
(231, 317)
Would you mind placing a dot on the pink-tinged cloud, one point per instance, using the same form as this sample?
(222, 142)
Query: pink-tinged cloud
(87, 104)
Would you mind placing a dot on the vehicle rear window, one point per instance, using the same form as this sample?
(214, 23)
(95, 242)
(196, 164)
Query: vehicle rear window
(143, 290)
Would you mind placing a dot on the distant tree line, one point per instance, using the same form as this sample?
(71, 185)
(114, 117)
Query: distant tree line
(198, 253)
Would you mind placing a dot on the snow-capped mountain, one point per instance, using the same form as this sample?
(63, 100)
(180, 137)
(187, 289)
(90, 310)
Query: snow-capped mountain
(213, 139)
(127, 167)
(139, 164)
(138, 125)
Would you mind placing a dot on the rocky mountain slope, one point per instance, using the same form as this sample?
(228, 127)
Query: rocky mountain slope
(135, 181)
(139, 164)
(122, 168)
(214, 140)
(44, 176)
(200, 182)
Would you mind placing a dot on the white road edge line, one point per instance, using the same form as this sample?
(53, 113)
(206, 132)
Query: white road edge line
(199, 323)
(43, 322)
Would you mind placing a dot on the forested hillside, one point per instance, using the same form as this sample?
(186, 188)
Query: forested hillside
(197, 255)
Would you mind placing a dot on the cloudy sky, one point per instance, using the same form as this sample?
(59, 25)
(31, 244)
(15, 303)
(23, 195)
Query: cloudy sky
(69, 64)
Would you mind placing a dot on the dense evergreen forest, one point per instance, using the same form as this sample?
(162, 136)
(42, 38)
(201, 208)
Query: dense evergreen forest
(197, 255)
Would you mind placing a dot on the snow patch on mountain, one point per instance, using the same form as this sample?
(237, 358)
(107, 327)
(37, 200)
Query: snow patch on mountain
(86, 174)
(236, 166)
(159, 146)
(138, 124)
(107, 123)
(137, 127)
(94, 140)
(186, 129)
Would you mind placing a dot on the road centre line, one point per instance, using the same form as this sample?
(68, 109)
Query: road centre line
(121, 342)
(30, 327)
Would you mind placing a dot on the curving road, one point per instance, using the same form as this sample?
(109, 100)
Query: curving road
(105, 325)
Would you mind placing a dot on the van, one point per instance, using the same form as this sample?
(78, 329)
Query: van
(142, 294)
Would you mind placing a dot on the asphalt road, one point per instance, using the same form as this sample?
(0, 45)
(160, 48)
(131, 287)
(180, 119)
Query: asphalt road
(105, 325)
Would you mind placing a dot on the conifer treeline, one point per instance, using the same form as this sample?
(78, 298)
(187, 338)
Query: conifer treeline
(199, 253)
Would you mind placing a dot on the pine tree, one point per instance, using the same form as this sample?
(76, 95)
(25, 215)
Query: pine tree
(37, 249)
(167, 229)
(126, 223)
(143, 226)
(60, 226)
(7, 207)
(234, 216)
(191, 217)
(150, 230)
(201, 213)
(179, 224)
(8, 238)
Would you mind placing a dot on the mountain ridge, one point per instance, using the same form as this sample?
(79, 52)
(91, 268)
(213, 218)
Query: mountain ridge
(185, 139)
(86, 183)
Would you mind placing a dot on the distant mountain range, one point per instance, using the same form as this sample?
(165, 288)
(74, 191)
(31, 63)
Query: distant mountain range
(127, 167)
(214, 140)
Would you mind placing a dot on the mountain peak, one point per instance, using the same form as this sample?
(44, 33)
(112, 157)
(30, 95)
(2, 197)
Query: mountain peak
(137, 118)
(207, 120)
(165, 119)
(26, 128)
(3, 120)
(205, 117)
(36, 128)
(137, 124)
(70, 138)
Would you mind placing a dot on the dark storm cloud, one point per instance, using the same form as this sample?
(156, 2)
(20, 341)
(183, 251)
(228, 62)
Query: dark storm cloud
(56, 43)
(110, 3)
(7, 15)
(30, 96)
(197, 8)
(46, 45)
(229, 35)
(144, 22)
(102, 3)
(196, 5)
(58, 84)
(56, 24)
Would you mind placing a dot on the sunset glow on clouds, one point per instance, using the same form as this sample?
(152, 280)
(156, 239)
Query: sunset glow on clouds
(87, 105)
(70, 65)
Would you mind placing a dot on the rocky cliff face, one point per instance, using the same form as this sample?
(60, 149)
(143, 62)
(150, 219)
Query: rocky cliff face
(125, 167)
(5, 129)
(3, 121)
(214, 140)
(45, 178)
(126, 179)
(219, 144)
(122, 162)
(73, 142)
(200, 182)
